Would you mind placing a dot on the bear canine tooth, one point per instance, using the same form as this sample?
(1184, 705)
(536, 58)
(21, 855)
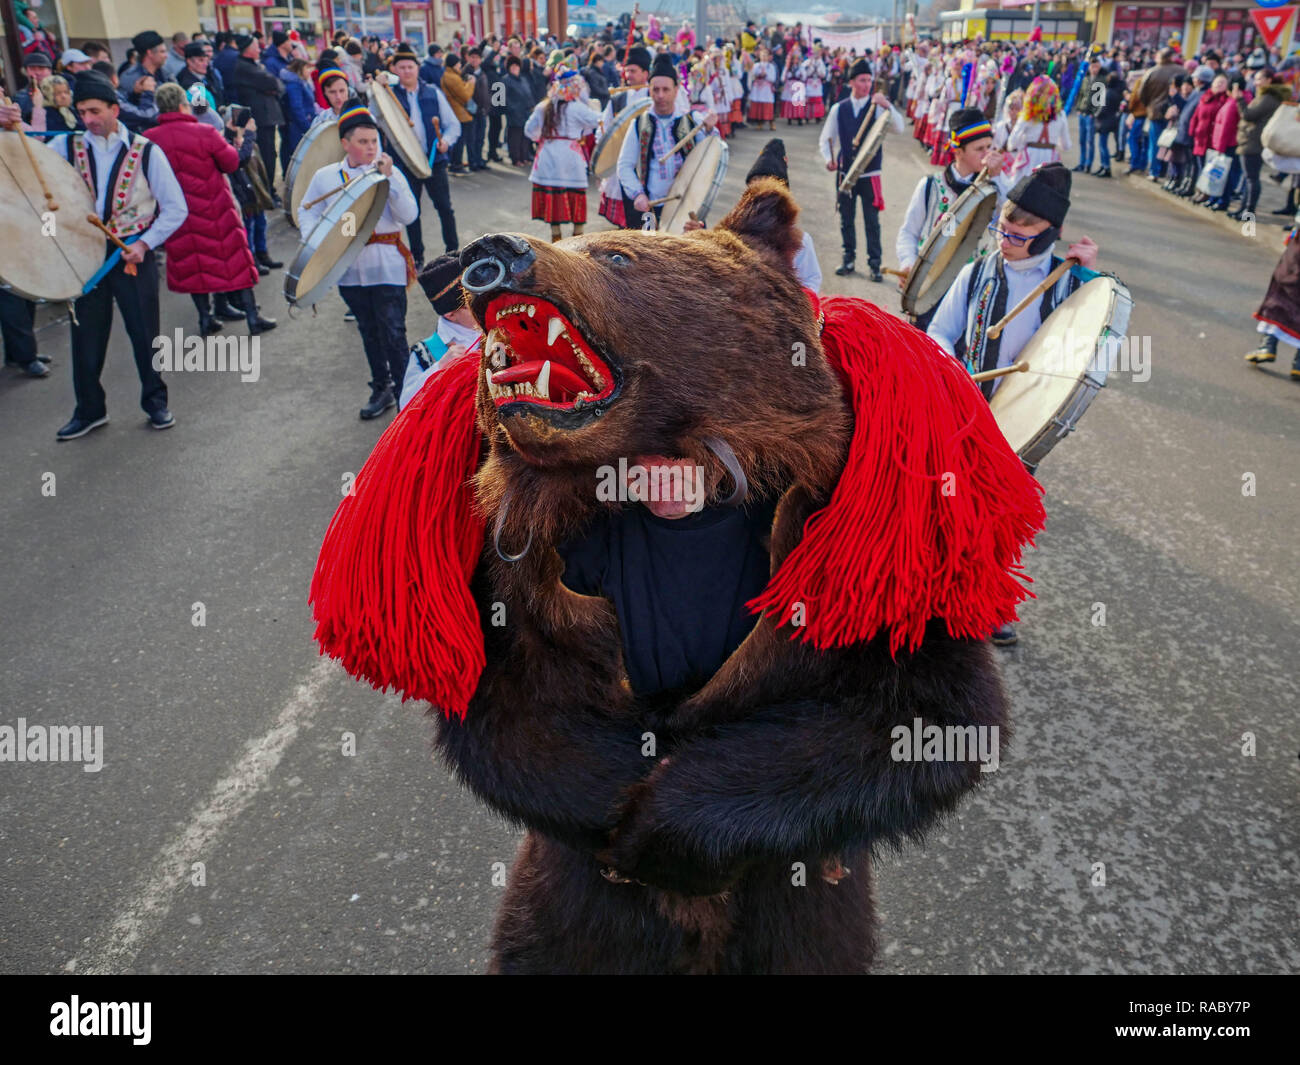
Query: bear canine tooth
(532, 310)
(543, 384)
(553, 329)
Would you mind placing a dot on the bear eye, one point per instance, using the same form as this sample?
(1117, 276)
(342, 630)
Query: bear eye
(618, 259)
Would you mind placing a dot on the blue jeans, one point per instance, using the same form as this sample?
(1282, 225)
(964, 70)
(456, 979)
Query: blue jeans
(1103, 148)
(477, 128)
(255, 224)
(1137, 158)
(1087, 129)
(1155, 127)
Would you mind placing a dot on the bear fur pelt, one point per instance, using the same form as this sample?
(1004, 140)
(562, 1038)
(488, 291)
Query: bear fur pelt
(742, 843)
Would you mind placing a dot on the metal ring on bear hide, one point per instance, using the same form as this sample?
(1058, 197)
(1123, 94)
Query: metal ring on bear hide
(727, 457)
(473, 267)
(496, 532)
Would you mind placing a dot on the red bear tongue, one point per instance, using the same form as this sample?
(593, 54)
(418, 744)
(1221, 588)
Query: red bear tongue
(562, 378)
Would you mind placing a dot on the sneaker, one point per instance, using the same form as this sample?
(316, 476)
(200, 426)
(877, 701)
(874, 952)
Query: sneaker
(1262, 354)
(35, 368)
(846, 269)
(381, 399)
(1079, 169)
(79, 427)
(161, 419)
(349, 317)
(876, 275)
(1004, 636)
(1104, 172)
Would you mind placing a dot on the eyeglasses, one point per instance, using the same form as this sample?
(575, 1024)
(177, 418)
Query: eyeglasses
(1015, 238)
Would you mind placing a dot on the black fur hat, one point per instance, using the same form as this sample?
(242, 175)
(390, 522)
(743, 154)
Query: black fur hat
(440, 280)
(92, 86)
(770, 162)
(1044, 191)
(664, 67)
(860, 67)
(640, 57)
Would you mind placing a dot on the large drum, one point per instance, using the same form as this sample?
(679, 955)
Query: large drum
(872, 142)
(949, 247)
(45, 259)
(1068, 360)
(320, 146)
(605, 157)
(339, 237)
(696, 185)
(396, 126)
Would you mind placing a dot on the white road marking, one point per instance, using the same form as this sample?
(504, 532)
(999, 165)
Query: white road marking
(152, 899)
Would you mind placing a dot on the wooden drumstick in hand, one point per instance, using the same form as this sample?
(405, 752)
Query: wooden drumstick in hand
(995, 330)
(988, 375)
(893, 273)
(17, 127)
(95, 221)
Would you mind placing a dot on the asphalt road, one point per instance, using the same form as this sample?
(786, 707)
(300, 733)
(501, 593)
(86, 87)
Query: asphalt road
(226, 744)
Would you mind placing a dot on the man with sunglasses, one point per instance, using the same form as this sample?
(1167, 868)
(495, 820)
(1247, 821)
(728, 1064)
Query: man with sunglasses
(1026, 230)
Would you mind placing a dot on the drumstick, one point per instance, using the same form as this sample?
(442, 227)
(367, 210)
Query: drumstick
(666, 199)
(995, 330)
(621, 88)
(17, 127)
(409, 120)
(334, 191)
(113, 238)
(892, 272)
(862, 128)
(988, 375)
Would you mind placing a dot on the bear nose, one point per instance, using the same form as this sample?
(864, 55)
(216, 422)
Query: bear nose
(489, 262)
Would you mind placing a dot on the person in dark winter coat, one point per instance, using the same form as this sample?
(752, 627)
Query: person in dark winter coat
(299, 103)
(1269, 96)
(1107, 120)
(209, 252)
(198, 68)
(256, 88)
(519, 105)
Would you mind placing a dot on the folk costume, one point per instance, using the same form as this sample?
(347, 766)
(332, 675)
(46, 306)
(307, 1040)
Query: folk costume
(137, 196)
(836, 142)
(374, 286)
(611, 191)
(423, 106)
(773, 728)
(762, 92)
(440, 280)
(640, 169)
(1043, 132)
(990, 286)
(1279, 314)
(559, 176)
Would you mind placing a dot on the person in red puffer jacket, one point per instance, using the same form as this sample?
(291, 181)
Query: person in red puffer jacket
(1223, 138)
(1202, 125)
(209, 252)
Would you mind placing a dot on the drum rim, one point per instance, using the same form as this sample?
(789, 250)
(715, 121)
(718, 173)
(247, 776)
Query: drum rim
(420, 169)
(706, 204)
(911, 292)
(329, 219)
(295, 165)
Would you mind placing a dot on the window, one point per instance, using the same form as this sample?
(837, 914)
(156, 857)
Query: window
(1147, 27)
(451, 10)
(1233, 30)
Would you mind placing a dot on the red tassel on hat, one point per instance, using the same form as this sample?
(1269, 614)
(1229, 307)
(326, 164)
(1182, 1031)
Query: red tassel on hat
(933, 508)
(391, 592)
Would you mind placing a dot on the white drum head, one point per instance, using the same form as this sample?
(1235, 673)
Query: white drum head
(1059, 355)
(319, 147)
(694, 184)
(339, 237)
(605, 157)
(45, 261)
(393, 120)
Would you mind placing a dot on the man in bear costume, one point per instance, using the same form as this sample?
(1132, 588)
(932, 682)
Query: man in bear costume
(723, 824)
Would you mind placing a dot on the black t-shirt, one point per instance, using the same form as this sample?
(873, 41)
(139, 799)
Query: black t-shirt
(679, 586)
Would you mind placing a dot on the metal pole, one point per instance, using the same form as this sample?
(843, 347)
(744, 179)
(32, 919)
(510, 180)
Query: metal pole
(13, 51)
(63, 23)
(701, 22)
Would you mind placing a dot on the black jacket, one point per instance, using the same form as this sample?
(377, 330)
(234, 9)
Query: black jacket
(212, 82)
(256, 88)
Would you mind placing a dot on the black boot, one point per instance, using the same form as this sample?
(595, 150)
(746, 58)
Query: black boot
(224, 309)
(381, 398)
(1266, 352)
(256, 323)
(264, 259)
(846, 269)
(208, 326)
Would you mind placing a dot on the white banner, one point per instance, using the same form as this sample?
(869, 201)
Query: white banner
(861, 40)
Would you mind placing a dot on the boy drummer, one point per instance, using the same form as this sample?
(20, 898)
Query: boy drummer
(987, 288)
(374, 286)
(972, 146)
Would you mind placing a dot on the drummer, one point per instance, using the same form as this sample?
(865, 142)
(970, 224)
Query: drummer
(374, 286)
(636, 74)
(138, 197)
(642, 176)
(424, 105)
(836, 144)
(971, 140)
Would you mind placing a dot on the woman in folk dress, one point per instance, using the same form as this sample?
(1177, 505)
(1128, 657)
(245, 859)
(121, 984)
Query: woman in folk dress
(762, 90)
(731, 70)
(816, 78)
(1013, 162)
(794, 94)
(715, 72)
(559, 174)
(1043, 132)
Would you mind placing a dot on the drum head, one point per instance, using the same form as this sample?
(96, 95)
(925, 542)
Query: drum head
(944, 254)
(396, 126)
(57, 259)
(319, 147)
(1064, 350)
(695, 185)
(605, 157)
(339, 237)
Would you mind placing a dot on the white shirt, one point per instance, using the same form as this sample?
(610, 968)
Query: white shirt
(172, 208)
(829, 141)
(949, 322)
(912, 233)
(806, 267)
(560, 161)
(378, 264)
(416, 375)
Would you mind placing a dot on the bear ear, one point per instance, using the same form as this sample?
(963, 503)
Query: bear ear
(765, 219)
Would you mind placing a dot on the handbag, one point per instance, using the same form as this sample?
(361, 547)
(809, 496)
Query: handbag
(1282, 134)
(1214, 175)
(1167, 137)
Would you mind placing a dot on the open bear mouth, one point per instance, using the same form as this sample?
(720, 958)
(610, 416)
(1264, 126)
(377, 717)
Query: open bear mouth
(535, 355)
